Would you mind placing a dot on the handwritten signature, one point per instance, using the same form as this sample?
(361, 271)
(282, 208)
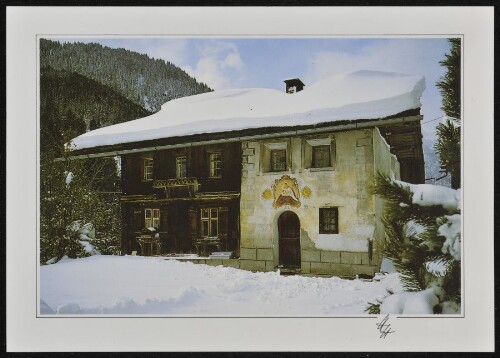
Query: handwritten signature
(384, 328)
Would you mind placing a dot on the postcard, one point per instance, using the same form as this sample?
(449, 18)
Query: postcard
(289, 186)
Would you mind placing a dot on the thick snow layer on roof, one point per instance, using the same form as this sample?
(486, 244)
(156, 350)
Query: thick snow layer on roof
(357, 95)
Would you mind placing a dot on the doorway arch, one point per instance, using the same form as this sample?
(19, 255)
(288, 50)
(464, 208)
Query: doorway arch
(289, 239)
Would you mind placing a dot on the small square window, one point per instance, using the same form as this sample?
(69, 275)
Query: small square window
(318, 153)
(278, 160)
(328, 220)
(321, 156)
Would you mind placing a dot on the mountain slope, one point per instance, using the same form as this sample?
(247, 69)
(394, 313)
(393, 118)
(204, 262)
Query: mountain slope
(71, 104)
(145, 81)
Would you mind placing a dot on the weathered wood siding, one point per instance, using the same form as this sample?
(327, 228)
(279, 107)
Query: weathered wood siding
(198, 166)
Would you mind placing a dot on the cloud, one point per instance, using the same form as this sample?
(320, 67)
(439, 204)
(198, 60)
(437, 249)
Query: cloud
(219, 64)
(208, 70)
(233, 60)
(412, 56)
(174, 51)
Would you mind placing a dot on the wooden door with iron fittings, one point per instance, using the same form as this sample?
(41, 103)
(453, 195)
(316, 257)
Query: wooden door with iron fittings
(289, 239)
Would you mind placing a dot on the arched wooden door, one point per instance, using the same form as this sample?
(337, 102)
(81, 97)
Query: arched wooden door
(289, 239)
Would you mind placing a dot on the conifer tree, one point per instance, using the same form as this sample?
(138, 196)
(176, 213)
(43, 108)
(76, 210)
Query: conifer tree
(72, 206)
(448, 132)
(422, 238)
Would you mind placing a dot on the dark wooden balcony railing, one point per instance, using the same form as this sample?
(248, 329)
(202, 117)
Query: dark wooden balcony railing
(191, 184)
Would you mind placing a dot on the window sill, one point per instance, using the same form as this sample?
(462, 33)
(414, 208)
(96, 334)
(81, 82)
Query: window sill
(277, 173)
(322, 169)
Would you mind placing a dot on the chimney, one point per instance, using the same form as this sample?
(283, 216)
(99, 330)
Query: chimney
(294, 85)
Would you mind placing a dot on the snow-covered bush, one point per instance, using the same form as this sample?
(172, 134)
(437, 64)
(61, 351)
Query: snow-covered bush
(76, 219)
(423, 239)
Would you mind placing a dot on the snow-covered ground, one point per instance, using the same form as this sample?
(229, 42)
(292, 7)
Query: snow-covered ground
(129, 285)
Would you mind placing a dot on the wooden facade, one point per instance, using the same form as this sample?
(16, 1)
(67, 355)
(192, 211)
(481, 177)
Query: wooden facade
(191, 199)
(405, 141)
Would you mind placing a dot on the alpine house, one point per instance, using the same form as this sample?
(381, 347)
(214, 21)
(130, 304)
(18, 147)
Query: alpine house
(282, 180)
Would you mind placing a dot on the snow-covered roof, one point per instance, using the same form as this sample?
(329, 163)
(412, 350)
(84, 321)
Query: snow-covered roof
(357, 95)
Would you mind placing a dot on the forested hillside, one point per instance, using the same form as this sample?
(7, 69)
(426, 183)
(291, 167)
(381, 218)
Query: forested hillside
(143, 80)
(71, 104)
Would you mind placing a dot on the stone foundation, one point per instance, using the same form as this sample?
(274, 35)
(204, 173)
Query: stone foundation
(314, 262)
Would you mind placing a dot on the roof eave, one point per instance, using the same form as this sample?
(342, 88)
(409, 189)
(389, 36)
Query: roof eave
(240, 135)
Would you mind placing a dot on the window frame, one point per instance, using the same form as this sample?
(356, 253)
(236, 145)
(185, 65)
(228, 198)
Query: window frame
(322, 223)
(152, 218)
(326, 149)
(266, 147)
(147, 169)
(215, 165)
(309, 147)
(274, 152)
(209, 215)
(181, 167)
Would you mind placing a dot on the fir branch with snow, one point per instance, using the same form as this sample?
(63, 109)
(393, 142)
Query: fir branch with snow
(423, 239)
(448, 132)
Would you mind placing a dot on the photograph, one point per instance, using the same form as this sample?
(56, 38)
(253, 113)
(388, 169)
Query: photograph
(250, 176)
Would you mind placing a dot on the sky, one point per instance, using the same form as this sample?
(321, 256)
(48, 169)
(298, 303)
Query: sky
(228, 62)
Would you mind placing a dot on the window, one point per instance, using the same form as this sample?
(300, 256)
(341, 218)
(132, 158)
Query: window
(278, 160)
(215, 165)
(152, 218)
(180, 167)
(147, 169)
(321, 156)
(209, 222)
(274, 157)
(328, 220)
(319, 153)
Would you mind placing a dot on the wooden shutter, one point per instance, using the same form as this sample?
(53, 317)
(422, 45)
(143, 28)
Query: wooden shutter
(163, 219)
(138, 222)
(223, 225)
(193, 221)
